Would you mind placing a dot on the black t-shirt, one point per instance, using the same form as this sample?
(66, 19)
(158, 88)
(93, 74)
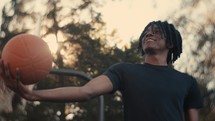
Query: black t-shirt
(154, 93)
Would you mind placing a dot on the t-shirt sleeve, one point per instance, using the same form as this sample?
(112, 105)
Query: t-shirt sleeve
(114, 73)
(194, 98)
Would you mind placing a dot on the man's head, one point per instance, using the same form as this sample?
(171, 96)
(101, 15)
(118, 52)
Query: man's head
(164, 32)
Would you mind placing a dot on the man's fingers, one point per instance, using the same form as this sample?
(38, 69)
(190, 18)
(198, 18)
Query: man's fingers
(17, 78)
(7, 72)
(1, 67)
(17, 74)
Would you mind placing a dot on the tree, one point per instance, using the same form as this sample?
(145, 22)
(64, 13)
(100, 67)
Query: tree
(198, 30)
(84, 48)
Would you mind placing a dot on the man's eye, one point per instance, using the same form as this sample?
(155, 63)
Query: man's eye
(157, 32)
(144, 34)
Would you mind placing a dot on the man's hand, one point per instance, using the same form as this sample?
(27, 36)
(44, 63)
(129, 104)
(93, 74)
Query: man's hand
(9, 81)
(14, 84)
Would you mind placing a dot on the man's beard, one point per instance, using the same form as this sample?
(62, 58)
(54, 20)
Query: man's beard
(150, 51)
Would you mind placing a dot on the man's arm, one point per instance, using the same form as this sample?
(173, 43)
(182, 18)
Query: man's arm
(192, 115)
(97, 86)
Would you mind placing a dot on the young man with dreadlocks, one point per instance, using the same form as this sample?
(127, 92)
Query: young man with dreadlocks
(152, 91)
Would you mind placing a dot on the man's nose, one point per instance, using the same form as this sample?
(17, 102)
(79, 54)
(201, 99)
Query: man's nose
(149, 34)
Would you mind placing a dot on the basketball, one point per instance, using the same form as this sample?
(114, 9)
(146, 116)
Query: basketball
(30, 54)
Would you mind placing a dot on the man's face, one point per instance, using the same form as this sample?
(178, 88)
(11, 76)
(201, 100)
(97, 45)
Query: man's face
(153, 40)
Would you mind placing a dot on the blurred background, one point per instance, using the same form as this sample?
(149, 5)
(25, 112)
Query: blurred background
(91, 35)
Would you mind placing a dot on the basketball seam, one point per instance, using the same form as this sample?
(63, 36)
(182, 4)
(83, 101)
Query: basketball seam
(31, 59)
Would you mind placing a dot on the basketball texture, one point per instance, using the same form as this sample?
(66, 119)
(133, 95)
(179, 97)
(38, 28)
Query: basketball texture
(31, 55)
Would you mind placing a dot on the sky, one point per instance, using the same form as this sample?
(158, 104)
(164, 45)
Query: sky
(129, 17)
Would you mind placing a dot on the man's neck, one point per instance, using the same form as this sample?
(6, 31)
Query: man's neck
(156, 60)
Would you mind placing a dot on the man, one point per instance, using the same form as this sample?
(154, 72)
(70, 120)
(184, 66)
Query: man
(152, 91)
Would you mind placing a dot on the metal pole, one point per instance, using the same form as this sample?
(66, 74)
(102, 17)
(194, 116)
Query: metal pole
(70, 72)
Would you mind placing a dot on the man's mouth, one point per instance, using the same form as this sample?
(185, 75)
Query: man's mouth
(149, 40)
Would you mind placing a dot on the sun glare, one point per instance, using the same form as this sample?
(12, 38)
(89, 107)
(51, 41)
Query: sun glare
(52, 43)
(129, 17)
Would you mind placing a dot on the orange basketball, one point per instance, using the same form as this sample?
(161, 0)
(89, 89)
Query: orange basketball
(31, 55)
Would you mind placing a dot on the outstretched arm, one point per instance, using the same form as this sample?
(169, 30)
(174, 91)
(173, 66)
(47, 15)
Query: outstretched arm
(97, 86)
(192, 115)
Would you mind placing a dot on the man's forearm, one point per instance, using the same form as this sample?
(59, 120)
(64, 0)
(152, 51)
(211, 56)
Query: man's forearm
(64, 94)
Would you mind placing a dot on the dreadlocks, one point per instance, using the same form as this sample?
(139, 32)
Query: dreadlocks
(173, 39)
